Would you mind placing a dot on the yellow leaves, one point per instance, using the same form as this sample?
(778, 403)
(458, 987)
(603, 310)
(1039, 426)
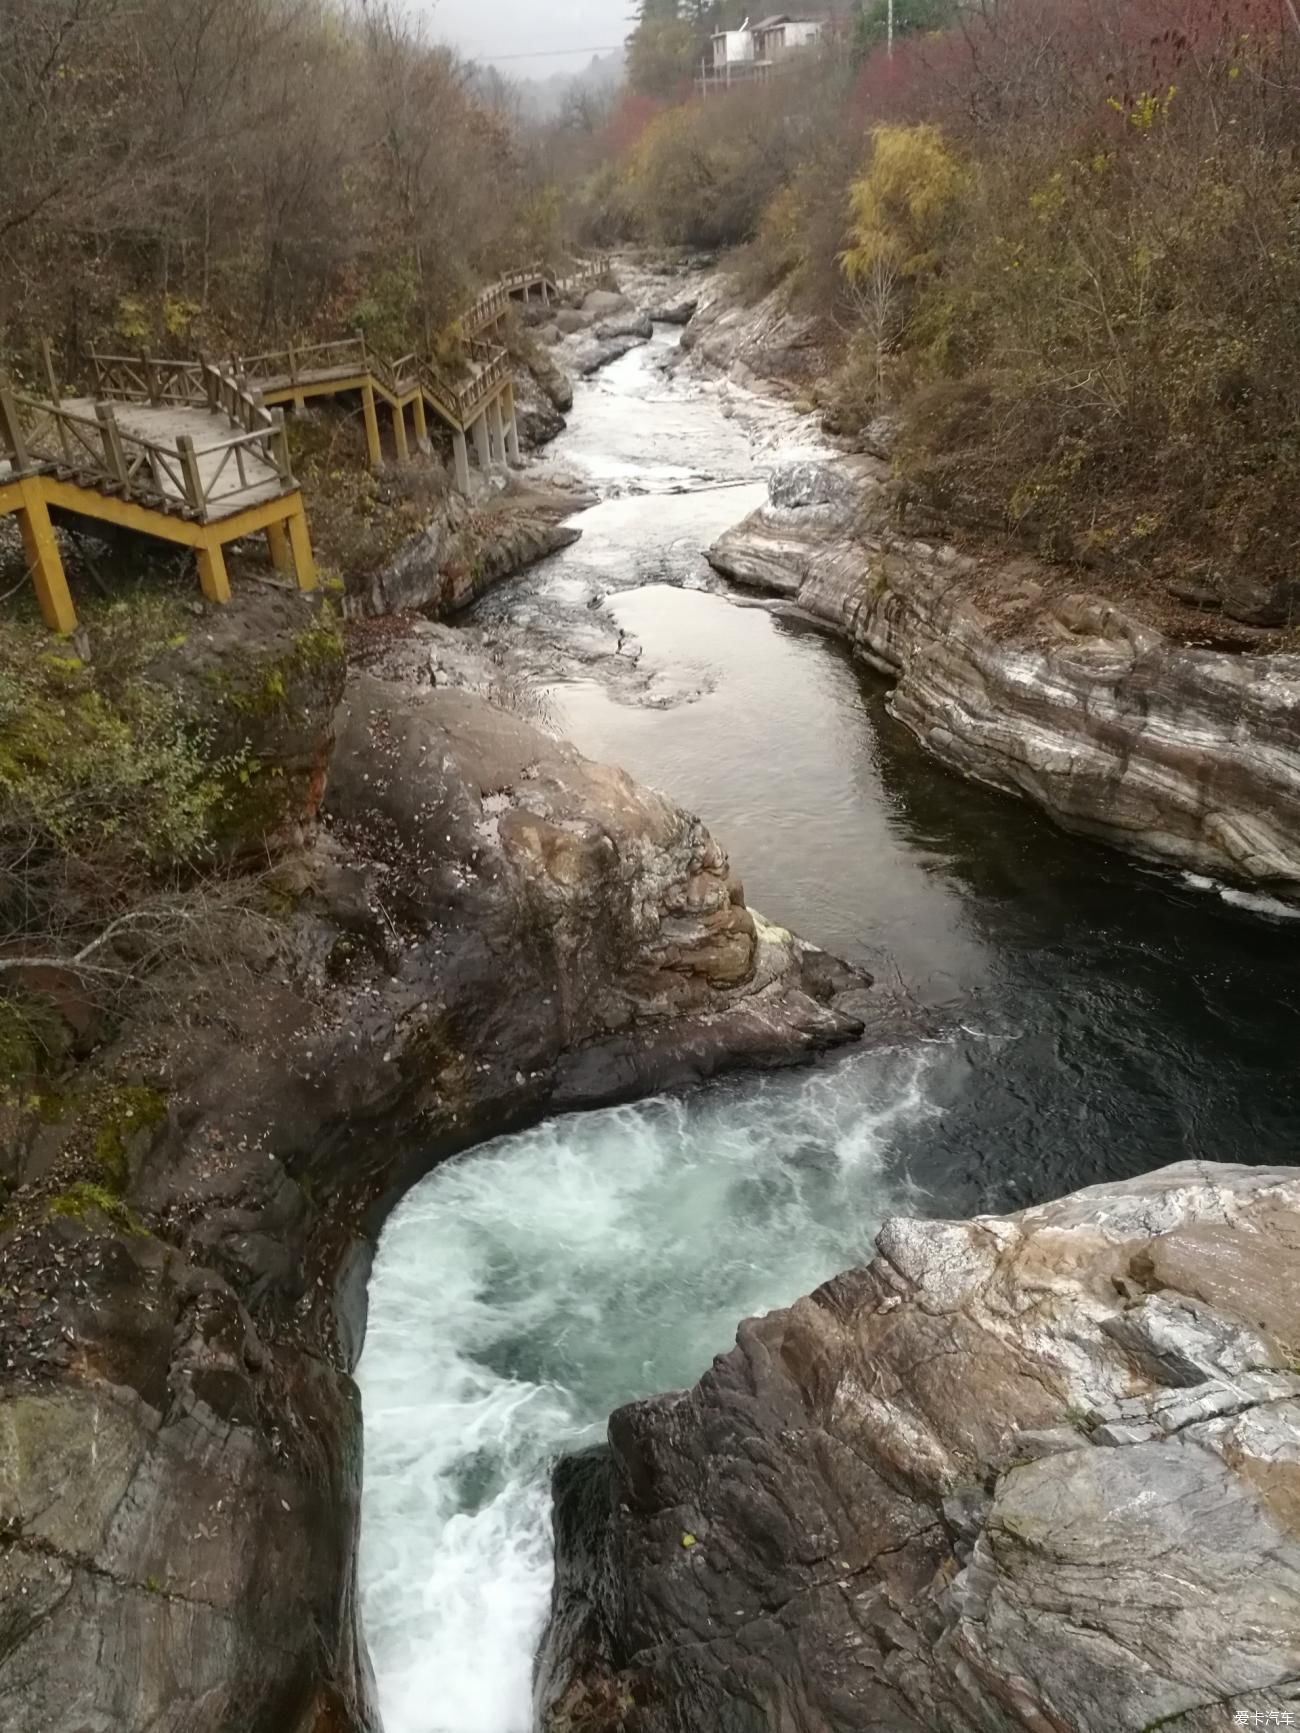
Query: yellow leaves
(1049, 199)
(179, 315)
(902, 202)
(1147, 110)
(132, 319)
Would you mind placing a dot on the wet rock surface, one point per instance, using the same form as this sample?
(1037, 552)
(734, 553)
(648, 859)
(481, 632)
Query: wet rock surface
(1029, 1472)
(1181, 754)
(464, 550)
(487, 927)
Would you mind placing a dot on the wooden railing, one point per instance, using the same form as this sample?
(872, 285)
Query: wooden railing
(146, 378)
(302, 361)
(36, 434)
(98, 451)
(487, 307)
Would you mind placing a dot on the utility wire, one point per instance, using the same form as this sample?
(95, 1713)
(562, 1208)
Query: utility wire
(550, 53)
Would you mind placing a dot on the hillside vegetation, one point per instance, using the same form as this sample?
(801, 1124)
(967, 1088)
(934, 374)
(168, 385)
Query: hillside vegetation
(1061, 237)
(206, 174)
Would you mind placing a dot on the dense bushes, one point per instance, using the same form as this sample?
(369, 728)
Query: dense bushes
(1096, 314)
(1062, 236)
(214, 174)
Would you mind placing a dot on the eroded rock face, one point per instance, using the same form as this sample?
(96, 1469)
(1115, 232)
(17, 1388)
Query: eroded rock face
(1182, 755)
(462, 553)
(1037, 1473)
(489, 927)
(760, 344)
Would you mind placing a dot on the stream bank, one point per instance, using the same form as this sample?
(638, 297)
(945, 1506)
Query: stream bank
(440, 926)
(1164, 722)
(1054, 1015)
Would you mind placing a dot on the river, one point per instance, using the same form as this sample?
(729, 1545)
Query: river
(1079, 1017)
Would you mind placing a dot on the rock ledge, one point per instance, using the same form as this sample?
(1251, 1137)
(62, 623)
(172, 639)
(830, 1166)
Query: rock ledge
(1038, 1472)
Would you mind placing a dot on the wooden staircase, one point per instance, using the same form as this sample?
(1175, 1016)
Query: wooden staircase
(195, 452)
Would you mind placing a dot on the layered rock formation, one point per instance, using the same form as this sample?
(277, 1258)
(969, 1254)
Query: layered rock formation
(1180, 754)
(463, 551)
(1036, 1473)
(489, 926)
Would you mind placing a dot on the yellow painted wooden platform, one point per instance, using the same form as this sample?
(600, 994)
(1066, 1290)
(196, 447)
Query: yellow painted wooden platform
(196, 453)
(234, 473)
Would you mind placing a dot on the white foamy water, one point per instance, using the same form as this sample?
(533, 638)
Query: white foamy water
(524, 1290)
(1256, 902)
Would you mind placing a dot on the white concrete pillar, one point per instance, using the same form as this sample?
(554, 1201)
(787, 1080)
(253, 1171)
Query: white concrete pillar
(461, 455)
(482, 447)
(497, 431)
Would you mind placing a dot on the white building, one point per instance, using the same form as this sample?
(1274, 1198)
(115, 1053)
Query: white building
(755, 51)
(733, 52)
(779, 35)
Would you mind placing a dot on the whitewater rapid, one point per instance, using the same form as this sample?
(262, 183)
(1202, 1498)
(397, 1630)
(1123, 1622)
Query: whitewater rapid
(525, 1290)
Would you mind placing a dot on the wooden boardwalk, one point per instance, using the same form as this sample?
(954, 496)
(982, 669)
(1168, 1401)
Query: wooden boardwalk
(196, 453)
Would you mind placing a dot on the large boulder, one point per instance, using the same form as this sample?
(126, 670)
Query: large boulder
(796, 486)
(1019, 1474)
(604, 302)
(1262, 601)
(489, 927)
(626, 325)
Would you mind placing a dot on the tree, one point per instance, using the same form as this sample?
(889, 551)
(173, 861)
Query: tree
(871, 21)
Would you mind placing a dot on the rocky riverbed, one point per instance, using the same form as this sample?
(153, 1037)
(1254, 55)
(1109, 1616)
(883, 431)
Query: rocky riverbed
(484, 927)
(872, 1513)
(1037, 1472)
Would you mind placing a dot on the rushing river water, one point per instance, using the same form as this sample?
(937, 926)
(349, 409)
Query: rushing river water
(1087, 1018)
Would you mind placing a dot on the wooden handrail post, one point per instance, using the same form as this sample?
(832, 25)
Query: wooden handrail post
(111, 439)
(150, 377)
(190, 470)
(280, 447)
(11, 429)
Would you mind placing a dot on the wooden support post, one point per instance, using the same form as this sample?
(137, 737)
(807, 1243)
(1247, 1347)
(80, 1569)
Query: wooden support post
(399, 434)
(421, 423)
(460, 454)
(279, 447)
(300, 543)
(373, 448)
(43, 559)
(281, 553)
(512, 426)
(11, 430)
(482, 449)
(213, 577)
(194, 484)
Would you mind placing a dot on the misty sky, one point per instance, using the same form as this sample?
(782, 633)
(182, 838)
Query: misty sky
(496, 29)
